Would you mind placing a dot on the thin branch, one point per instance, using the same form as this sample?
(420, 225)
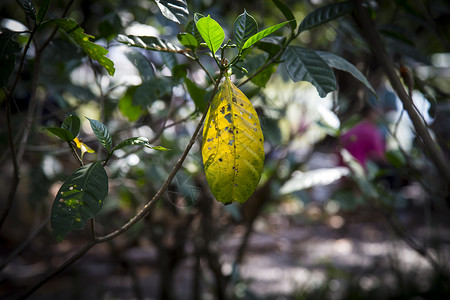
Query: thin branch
(169, 179)
(379, 51)
(138, 216)
(24, 244)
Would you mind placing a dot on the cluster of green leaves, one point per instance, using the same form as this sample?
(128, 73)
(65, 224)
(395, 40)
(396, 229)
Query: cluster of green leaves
(82, 194)
(230, 149)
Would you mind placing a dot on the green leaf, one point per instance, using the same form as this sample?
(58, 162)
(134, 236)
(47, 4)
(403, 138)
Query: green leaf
(153, 89)
(72, 124)
(340, 63)
(287, 13)
(174, 10)
(211, 32)
(305, 65)
(197, 94)
(148, 43)
(141, 63)
(8, 50)
(79, 199)
(94, 51)
(137, 141)
(62, 133)
(271, 44)
(126, 107)
(187, 40)
(192, 29)
(198, 16)
(43, 10)
(245, 26)
(29, 9)
(233, 146)
(263, 77)
(325, 14)
(102, 133)
(263, 33)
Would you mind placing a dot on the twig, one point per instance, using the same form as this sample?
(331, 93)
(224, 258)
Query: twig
(24, 244)
(139, 215)
(379, 51)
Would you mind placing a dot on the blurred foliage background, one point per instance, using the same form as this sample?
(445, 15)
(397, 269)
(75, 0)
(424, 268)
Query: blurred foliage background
(312, 230)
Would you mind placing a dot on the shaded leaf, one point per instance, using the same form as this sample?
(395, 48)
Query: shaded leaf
(43, 10)
(72, 124)
(79, 199)
(141, 63)
(271, 44)
(29, 9)
(245, 26)
(211, 32)
(174, 10)
(263, 33)
(233, 146)
(94, 51)
(264, 76)
(126, 107)
(8, 50)
(102, 133)
(153, 89)
(305, 65)
(148, 43)
(287, 13)
(137, 141)
(192, 29)
(62, 133)
(325, 14)
(187, 40)
(197, 94)
(340, 63)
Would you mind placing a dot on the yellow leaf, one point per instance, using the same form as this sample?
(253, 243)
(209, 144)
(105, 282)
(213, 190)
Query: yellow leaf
(233, 146)
(83, 147)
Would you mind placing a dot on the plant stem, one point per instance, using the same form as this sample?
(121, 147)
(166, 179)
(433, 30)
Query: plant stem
(379, 51)
(139, 215)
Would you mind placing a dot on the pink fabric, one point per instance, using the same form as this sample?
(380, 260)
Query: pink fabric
(364, 142)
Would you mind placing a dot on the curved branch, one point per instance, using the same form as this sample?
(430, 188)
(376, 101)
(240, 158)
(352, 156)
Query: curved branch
(379, 51)
(138, 216)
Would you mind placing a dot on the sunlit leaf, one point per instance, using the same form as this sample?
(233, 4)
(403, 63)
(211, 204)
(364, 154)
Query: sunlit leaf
(245, 26)
(79, 199)
(94, 51)
(137, 141)
(148, 42)
(83, 147)
(263, 33)
(102, 133)
(174, 10)
(126, 106)
(305, 180)
(340, 63)
(233, 146)
(305, 65)
(325, 14)
(197, 94)
(187, 40)
(211, 32)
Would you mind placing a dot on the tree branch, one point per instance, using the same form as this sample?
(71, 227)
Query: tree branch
(379, 51)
